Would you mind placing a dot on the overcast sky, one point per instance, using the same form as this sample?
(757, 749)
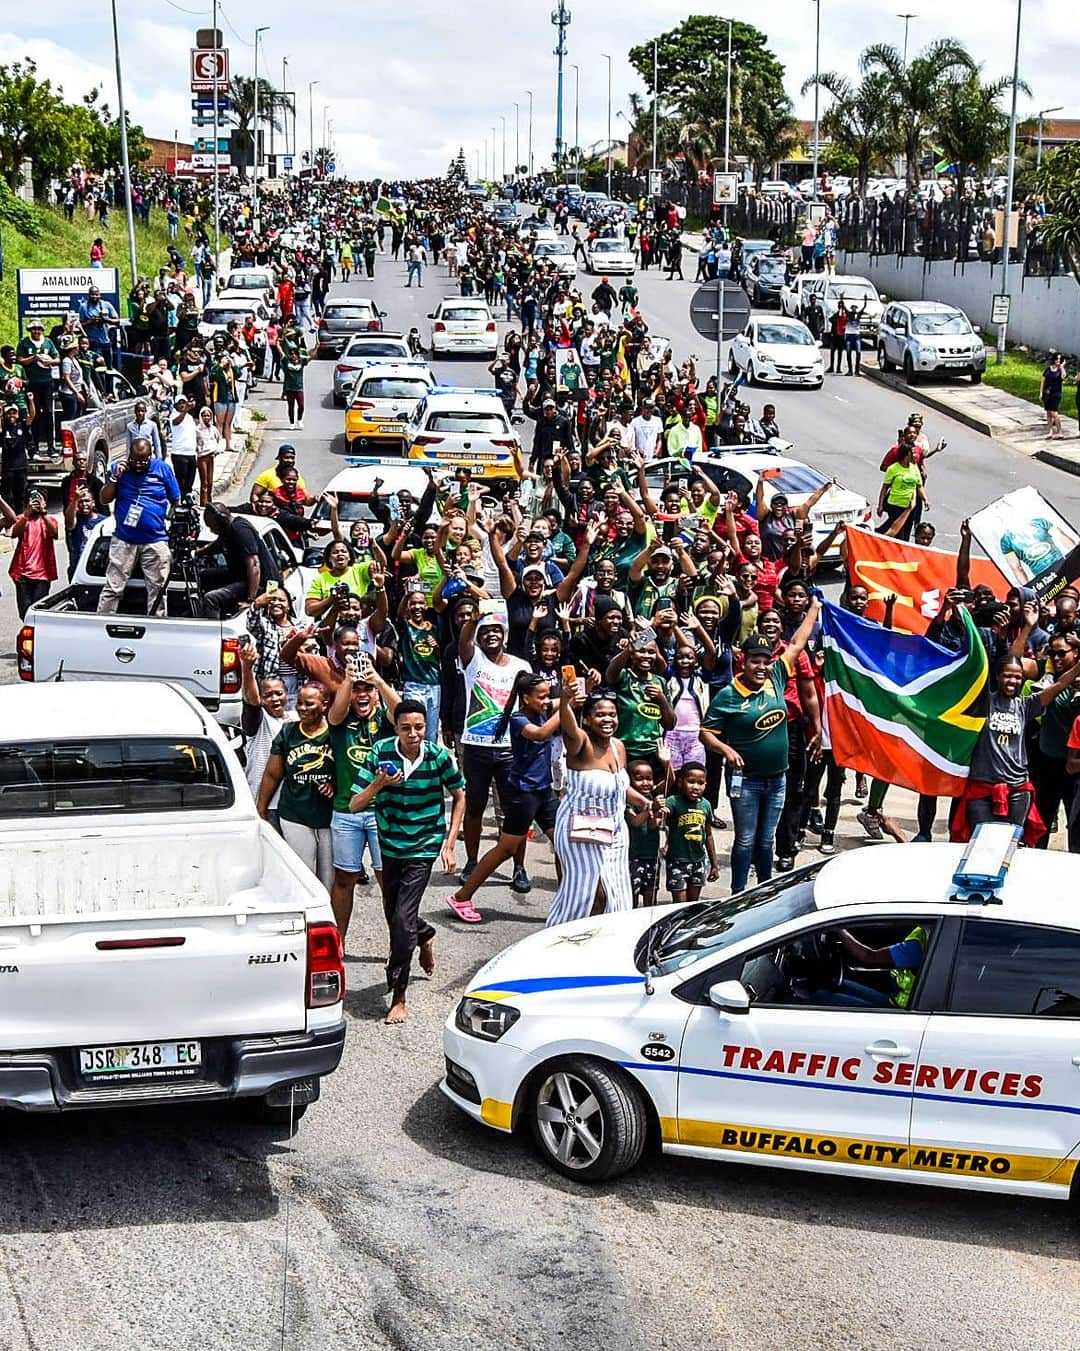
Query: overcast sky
(406, 84)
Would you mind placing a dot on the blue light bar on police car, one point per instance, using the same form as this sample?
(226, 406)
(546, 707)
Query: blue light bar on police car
(986, 860)
(461, 389)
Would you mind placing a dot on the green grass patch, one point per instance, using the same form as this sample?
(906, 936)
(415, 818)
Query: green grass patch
(63, 243)
(1019, 374)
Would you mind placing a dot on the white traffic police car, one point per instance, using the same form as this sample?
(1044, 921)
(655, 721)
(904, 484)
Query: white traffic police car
(910, 1012)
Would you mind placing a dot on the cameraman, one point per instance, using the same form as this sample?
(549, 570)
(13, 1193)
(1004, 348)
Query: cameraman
(248, 562)
(143, 488)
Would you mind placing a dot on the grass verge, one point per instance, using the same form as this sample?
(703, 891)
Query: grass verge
(1019, 374)
(64, 243)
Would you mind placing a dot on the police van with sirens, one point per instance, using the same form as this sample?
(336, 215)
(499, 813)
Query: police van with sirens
(910, 1012)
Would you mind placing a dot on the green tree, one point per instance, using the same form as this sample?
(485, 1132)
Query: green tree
(972, 130)
(857, 122)
(1058, 180)
(693, 89)
(241, 114)
(641, 131)
(34, 124)
(916, 91)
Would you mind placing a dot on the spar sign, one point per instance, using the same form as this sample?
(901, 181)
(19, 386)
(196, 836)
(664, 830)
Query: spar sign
(48, 291)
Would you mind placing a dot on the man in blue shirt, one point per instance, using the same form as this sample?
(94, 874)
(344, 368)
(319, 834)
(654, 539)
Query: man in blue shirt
(98, 317)
(143, 489)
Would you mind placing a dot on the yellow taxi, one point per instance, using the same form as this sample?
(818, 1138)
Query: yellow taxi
(465, 428)
(383, 401)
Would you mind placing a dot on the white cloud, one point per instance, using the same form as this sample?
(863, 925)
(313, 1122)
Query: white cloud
(406, 85)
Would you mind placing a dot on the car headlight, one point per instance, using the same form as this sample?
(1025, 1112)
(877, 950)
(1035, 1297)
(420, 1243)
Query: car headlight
(485, 1018)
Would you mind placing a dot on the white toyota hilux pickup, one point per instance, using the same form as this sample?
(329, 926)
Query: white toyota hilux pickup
(158, 941)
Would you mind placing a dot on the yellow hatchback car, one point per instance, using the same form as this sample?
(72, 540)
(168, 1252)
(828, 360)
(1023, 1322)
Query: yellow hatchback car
(383, 401)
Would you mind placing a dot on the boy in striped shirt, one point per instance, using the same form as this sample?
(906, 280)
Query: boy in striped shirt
(404, 780)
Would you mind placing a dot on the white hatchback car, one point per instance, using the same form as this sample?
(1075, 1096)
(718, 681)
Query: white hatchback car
(609, 256)
(463, 324)
(229, 305)
(909, 1013)
(777, 352)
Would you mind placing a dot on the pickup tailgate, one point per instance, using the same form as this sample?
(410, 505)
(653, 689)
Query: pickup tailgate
(190, 976)
(91, 646)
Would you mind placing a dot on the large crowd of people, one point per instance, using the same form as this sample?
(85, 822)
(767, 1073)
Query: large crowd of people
(628, 664)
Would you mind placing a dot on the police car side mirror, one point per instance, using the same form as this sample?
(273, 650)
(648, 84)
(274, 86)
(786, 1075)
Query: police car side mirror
(729, 996)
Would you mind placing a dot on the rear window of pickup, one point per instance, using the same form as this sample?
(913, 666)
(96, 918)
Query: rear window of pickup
(135, 775)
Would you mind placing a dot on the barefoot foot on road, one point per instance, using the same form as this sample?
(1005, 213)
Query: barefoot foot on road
(398, 1012)
(427, 957)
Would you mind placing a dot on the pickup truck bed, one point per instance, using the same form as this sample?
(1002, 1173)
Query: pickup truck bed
(158, 941)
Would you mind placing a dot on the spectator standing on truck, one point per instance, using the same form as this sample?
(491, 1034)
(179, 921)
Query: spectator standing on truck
(405, 779)
(80, 517)
(15, 443)
(301, 764)
(99, 319)
(183, 443)
(33, 565)
(73, 392)
(143, 489)
(38, 358)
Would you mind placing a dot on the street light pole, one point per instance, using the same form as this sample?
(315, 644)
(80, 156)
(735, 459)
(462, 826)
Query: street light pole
(530, 94)
(607, 58)
(1009, 178)
(311, 124)
(577, 124)
(655, 95)
(907, 18)
(255, 134)
(727, 105)
(124, 151)
(1043, 112)
(517, 137)
(503, 121)
(817, 88)
(284, 105)
(215, 95)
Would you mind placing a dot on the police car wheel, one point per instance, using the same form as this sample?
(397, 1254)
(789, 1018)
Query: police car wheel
(588, 1122)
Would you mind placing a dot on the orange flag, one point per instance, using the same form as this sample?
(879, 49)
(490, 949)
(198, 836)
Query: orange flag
(918, 576)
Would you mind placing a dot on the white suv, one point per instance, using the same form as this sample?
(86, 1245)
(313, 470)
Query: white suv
(463, 324)
(925, 337)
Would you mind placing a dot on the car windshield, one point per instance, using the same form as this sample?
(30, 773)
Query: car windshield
(547, 247)
(377, 349)
(221, 318)
(950, 322)
(858, 291)
(608, 246)
(478, 424)
(105, 775)
(246, 281)
(459, 314)
(772, 267)
(393, 387)
(699, 931)
(784, 333)
(349, 311)
(351, 507)
(796, 478)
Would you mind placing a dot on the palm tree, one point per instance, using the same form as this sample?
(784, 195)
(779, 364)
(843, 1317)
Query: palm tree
(1058, 181)
(857, 121)
(916, 92)
(641, 130)
(972, 130)
(242, 112)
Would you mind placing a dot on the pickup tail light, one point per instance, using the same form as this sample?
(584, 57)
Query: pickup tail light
(427, 440)
(325, 966)
(440, 327)
(230, 665)
(67, 441)
(321, 325)
(373, 326)
(24, 650)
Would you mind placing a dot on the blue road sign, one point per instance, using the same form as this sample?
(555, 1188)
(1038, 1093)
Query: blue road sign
(286, 161)
(331, 167)
(205, 102)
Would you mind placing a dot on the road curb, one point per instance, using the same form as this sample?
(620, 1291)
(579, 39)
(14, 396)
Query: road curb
(921, 394)
(1069, 464)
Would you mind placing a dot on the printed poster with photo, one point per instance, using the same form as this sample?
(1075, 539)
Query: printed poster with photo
(1030, 542)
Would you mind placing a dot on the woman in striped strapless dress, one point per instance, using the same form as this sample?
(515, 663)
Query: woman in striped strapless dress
(591, 838)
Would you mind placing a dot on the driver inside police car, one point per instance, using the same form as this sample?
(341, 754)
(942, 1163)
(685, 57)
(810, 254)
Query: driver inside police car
(902, 960)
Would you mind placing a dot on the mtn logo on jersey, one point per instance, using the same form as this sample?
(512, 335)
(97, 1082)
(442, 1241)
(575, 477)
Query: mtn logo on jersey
(773, 718)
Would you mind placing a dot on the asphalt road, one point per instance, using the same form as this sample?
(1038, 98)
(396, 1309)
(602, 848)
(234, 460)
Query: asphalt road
(409, 1227)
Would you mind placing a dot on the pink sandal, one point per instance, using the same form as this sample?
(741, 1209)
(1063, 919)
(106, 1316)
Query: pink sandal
(464, 910)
